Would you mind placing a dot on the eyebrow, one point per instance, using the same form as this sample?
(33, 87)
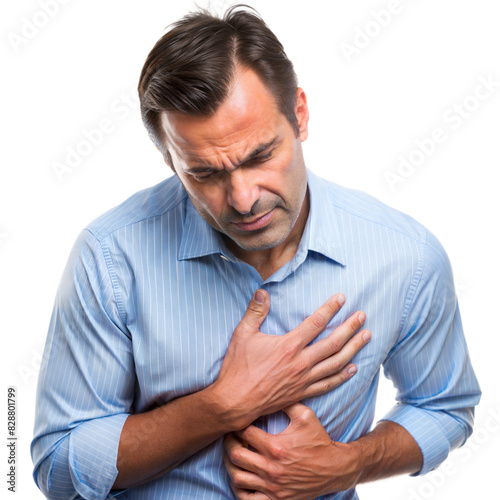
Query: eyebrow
(256, 152)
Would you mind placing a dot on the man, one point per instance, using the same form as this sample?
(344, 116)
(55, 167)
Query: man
(153, 356)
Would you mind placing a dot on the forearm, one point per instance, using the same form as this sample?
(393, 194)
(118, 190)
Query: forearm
(260, 374)
(386, 451)
(153, 443)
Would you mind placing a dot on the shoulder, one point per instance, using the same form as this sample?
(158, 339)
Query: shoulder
(366, 209)
(384, 226)
(147, 204)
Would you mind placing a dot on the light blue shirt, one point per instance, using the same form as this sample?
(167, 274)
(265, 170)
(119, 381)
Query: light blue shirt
(148, 303)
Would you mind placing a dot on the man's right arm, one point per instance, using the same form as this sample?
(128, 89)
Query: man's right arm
(260, 374)
(84, 429)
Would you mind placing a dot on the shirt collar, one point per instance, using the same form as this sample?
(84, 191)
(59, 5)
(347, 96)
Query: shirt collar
(321, 233)
(199, 238)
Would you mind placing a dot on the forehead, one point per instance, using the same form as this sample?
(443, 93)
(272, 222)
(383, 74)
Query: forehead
(249, 116)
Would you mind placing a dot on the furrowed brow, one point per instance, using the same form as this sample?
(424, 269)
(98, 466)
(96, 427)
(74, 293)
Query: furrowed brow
(203, 167)
(258, 150)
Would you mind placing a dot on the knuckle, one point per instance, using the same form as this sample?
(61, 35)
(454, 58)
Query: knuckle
(325, 386)
(354, 328)
(335, 344)
(256, 310)
(318, 319)
(300, 367)
(281, 492)
(276, 451)
(353, 325)
(358, 344)
(291, 349)
(238, 479)
(332, 307)
(336, 364)
(306, 412)
(245, 435)
(241, 330)
(234, 455)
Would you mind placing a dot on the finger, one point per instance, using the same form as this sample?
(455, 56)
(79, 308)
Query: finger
(255, 314)
(241, 494)
(312, 326)
(337, 339)
(256, 438)
(241, 456)
(230, 442)
(297, 411)
(241, 478)
(337, 362)
(327, 384)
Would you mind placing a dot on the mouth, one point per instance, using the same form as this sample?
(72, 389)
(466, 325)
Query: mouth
(258, 223)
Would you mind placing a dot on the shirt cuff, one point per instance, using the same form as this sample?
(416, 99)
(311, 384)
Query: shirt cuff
(435, 432)
(93, 450)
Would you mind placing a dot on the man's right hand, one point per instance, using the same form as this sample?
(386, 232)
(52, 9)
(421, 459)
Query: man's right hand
(260, 374)
(264, 373)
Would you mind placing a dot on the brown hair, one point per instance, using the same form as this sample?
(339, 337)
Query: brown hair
(191, 67)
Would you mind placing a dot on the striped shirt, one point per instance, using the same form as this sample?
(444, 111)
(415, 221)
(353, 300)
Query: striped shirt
(151, 295)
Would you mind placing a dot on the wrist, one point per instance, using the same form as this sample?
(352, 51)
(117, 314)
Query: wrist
(346, 463)
(386, 451)
(367, 453)
(232, 415)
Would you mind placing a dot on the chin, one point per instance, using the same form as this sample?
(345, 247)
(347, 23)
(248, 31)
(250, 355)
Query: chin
(256, 243)
(255, 247)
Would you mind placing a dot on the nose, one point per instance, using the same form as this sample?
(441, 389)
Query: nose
(242, 192)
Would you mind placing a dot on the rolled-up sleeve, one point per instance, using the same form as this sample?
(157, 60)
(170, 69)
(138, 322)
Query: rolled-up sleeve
(86, 382)
(430, 365)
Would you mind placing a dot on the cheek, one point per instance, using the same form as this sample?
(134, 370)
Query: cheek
(289, 162)
(209, 198)
(287, 174)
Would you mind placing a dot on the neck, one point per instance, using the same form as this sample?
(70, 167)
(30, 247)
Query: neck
(267, 262)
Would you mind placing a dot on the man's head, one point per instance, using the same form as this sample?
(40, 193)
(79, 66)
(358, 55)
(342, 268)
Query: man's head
(191, 67)
(220, 100)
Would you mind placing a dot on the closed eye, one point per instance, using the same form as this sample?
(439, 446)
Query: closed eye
(265, 157)
(260, 159)
(203, 175)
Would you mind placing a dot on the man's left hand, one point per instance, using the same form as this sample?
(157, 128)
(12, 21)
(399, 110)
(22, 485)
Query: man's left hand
(302, 462)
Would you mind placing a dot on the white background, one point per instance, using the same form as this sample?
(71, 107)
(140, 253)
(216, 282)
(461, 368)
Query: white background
(81, 65)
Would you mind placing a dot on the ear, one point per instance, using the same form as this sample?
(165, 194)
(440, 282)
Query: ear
(302, 114)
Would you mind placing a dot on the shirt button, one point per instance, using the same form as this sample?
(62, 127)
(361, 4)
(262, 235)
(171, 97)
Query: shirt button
(224, 257)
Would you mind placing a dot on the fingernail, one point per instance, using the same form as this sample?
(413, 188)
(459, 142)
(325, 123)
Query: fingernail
(351, 370)
(361, 317)
(341, 299)
(367, 336)
(259, 297)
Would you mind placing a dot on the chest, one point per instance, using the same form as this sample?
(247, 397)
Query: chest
(182, 322)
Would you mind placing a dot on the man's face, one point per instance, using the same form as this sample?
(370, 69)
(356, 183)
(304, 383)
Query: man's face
(243, 167)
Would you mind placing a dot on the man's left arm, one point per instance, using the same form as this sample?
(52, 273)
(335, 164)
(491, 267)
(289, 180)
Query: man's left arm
(437, 390)
(430, 365)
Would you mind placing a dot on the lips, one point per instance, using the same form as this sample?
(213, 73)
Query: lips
(258, 223)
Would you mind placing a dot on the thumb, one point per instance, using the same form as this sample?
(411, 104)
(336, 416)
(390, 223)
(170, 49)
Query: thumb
(298, 411)
(256, 313)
